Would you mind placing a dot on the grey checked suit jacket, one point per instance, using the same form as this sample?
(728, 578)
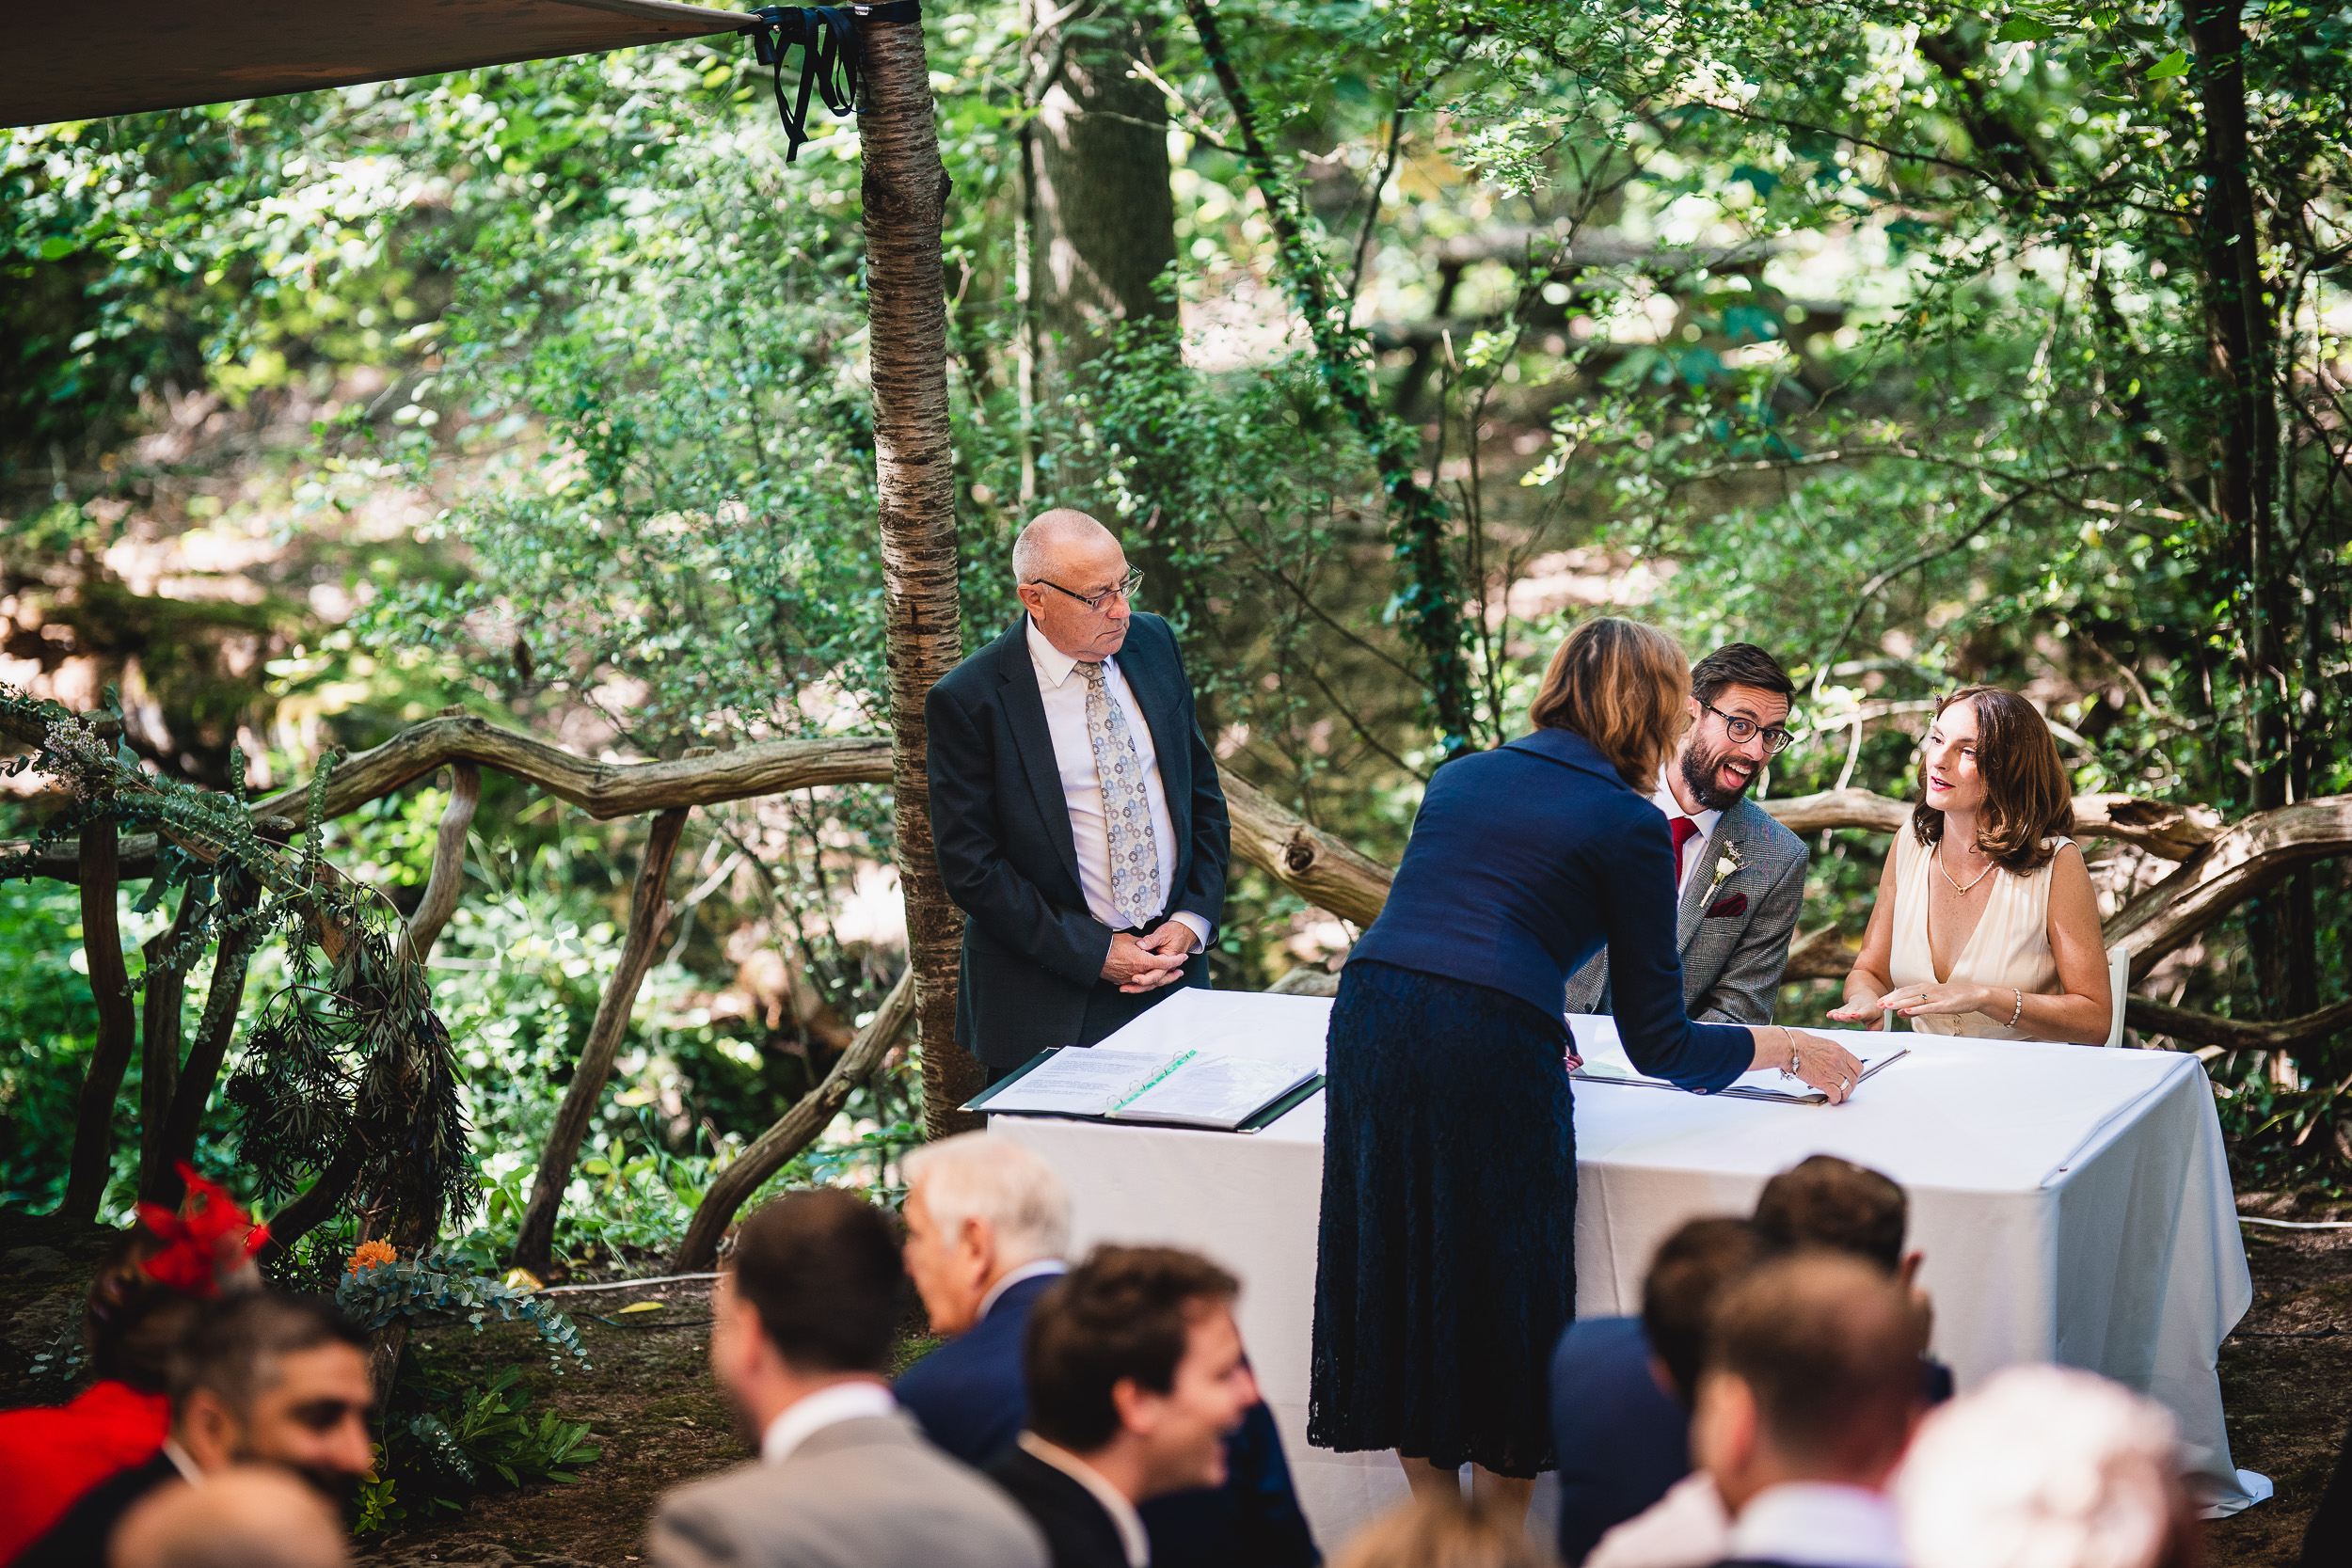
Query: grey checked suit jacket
(1731, 963)
(869, 1492)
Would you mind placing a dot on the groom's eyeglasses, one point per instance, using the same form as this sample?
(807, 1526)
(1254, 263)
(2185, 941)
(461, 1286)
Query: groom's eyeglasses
(1745, 730)
(1128, 587)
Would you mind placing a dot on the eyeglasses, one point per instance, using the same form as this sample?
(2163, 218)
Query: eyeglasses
(1745, 730)
(1127, 589)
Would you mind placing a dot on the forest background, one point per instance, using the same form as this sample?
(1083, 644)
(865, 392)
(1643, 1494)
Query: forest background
(1922, 348)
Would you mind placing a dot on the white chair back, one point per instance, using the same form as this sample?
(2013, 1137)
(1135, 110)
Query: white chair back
(2119, 982)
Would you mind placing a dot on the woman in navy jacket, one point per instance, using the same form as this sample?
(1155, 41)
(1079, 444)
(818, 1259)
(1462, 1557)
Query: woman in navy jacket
(1447, 1266)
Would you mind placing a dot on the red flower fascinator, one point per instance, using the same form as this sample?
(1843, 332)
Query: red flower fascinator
(212, 1236)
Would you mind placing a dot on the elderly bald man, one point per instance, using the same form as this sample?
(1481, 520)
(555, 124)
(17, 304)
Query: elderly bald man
(1075, 806)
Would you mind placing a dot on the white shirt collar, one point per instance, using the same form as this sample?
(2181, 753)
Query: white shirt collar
(812, 1413)
(1818, 1524)
(182, 1462)
(1052, 665)
(1132, 1534)
(1664, 798)
(1037, 1269)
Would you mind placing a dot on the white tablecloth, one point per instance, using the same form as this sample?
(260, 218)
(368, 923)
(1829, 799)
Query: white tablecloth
(2074, 1203)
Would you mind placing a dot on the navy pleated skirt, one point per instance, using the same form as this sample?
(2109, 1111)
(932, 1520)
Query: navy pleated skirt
(1447, 1268)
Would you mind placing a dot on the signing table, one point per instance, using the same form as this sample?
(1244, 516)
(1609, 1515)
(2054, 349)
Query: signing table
(2074, 1203)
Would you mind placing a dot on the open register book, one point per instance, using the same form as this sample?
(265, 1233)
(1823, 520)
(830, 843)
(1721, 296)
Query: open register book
(1199, 1086)
(1605, 1062)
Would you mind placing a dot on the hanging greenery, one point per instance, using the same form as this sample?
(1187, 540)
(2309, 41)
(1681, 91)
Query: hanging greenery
(345, 1086)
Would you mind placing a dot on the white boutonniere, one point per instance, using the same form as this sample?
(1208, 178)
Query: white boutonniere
(1726, 864)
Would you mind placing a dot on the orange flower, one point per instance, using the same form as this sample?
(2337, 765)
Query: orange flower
(372, 1253)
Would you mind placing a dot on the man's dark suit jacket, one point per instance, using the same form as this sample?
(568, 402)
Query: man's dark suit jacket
(1078, 1533)
(970, 1397)
(1621, 1440)
(81, 1538)
(1032, 953)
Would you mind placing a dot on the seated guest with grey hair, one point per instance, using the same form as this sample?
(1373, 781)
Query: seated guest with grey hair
(1808, 1395)
(988, 1223)
(803, 1313)
(2047, 1468)
(1135, 1375)
(1739, 875)
(258, 1379)
(248, 1516)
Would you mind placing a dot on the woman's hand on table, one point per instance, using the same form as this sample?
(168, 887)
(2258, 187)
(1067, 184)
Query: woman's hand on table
(1940, 998)
(1824, 1064)
(1861, 1010)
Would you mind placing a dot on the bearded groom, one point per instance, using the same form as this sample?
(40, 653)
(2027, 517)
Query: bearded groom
(1741, 874)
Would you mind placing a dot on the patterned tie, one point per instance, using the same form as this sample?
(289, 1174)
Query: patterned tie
(1685, 830)
(1126, 810)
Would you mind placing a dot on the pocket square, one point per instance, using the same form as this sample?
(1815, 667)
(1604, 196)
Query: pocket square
(1735, 904)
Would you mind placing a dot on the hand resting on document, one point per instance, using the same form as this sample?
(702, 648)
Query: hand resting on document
(1822, 1063)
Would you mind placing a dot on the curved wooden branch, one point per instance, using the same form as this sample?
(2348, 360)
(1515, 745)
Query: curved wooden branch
(2235, 1034)
(2172, 832)
(733, 1186)
(2243, 860)
(602, 789)
(1321, 869)
(648, 917)
(448, 864)
(118, 1025)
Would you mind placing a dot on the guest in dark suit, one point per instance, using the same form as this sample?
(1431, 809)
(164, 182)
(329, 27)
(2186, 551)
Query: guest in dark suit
(987, 1225)
(1621, 1392)
(260, 1378)
(1075, 807)
(1439, 1296)
(1810, 1392)
(1739, 874)
(1136, 1374)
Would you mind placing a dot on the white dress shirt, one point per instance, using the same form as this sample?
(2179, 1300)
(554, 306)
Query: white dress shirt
(1694, 852)
(1065, 695)
(1688, 1527)
(1037, 1269)
(804, 1418)
(1818, 1524)
(1132, 1534)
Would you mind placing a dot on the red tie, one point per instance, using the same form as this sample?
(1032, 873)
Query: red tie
(1685, 830)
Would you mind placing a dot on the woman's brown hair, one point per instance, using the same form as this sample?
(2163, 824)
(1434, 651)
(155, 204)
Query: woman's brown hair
(1442, 1532)
(2027, 796)
(1622, 685)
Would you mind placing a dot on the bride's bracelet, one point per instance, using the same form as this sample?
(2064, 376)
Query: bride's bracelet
(2020, 1010)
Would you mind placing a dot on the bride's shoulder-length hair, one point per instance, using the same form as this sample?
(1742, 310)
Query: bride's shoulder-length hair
(2028, 803)
(1624, 687)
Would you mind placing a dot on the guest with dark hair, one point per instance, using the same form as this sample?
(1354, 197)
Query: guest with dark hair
(1739, 875)
(1135, 1375)
(258, 1379)
(1823, 1201)
(139, 1305)
(1621, 1393)
(987, 1225)
(805, 1310)
(1808, 1395)
(1986, 922)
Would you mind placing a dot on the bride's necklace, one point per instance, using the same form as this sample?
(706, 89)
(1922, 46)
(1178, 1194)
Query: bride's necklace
(1971, 886)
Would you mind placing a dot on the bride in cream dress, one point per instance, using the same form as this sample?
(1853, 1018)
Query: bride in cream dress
(1986, 923)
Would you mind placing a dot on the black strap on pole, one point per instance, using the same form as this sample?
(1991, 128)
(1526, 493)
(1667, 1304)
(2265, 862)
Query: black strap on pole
(827, 38)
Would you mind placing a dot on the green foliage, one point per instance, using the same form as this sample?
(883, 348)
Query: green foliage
(446, 1279)
(462, 1441)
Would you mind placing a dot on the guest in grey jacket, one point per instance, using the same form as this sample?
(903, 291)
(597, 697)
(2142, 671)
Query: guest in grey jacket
(1741, 875)
(802, 1322)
